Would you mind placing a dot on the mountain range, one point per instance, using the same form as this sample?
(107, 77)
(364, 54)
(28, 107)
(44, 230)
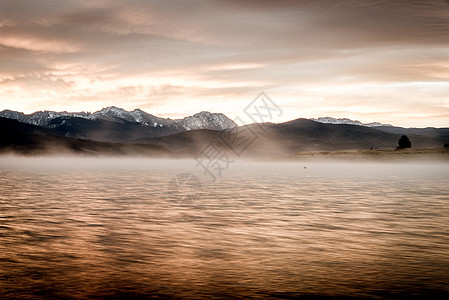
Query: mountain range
(116, 131)
(113, 124)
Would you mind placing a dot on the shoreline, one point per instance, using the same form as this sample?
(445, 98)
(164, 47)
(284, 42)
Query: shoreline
(375, 154)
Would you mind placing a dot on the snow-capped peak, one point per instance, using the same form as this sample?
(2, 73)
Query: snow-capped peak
(207, 120)
(346, 121)
(113, 113)
(202, 120)
(111, 110)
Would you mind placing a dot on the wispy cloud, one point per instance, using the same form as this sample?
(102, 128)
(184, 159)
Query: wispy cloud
(372, 60)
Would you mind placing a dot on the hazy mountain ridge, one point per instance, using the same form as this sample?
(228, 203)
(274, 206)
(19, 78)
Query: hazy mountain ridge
(27, 139)
(114, 129)
(289, 138)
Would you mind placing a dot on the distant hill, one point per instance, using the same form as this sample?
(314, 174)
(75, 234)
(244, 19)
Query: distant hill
(21, 138)
(300, 135)
(267, 139)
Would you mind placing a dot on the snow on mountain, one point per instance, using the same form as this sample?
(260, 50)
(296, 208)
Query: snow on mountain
(114, 114)
(346, 121)
(40, 118)
(206, 120)
(376, 124)
(202, 120)
(15, 115)
(147, 119)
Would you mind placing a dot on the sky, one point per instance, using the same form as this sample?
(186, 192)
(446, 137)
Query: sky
(369, 60)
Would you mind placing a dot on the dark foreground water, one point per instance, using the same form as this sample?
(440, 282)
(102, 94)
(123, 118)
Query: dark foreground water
(105, 228)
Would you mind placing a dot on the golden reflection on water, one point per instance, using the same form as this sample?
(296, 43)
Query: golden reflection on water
(268, 230)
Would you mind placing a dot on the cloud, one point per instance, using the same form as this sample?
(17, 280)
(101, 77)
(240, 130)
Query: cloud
(193, 55)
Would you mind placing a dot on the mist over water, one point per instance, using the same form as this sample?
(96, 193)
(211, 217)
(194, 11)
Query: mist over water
(108, 227)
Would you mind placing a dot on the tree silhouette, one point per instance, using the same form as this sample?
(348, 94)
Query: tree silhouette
(404, 142)
(446, 145)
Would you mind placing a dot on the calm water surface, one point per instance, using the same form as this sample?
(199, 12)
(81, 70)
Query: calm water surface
(106, 228)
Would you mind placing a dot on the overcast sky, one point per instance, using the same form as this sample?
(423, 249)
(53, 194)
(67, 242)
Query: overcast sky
(371, 60)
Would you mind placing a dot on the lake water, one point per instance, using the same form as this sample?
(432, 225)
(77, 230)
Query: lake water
(115, 228)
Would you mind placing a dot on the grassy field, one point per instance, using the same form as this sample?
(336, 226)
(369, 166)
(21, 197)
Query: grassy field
(377, 154)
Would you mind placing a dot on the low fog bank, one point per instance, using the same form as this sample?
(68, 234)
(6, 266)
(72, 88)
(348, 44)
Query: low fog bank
(74, 162)
(204, 161)
(172, 179)
(199, 167)
(48, 145)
